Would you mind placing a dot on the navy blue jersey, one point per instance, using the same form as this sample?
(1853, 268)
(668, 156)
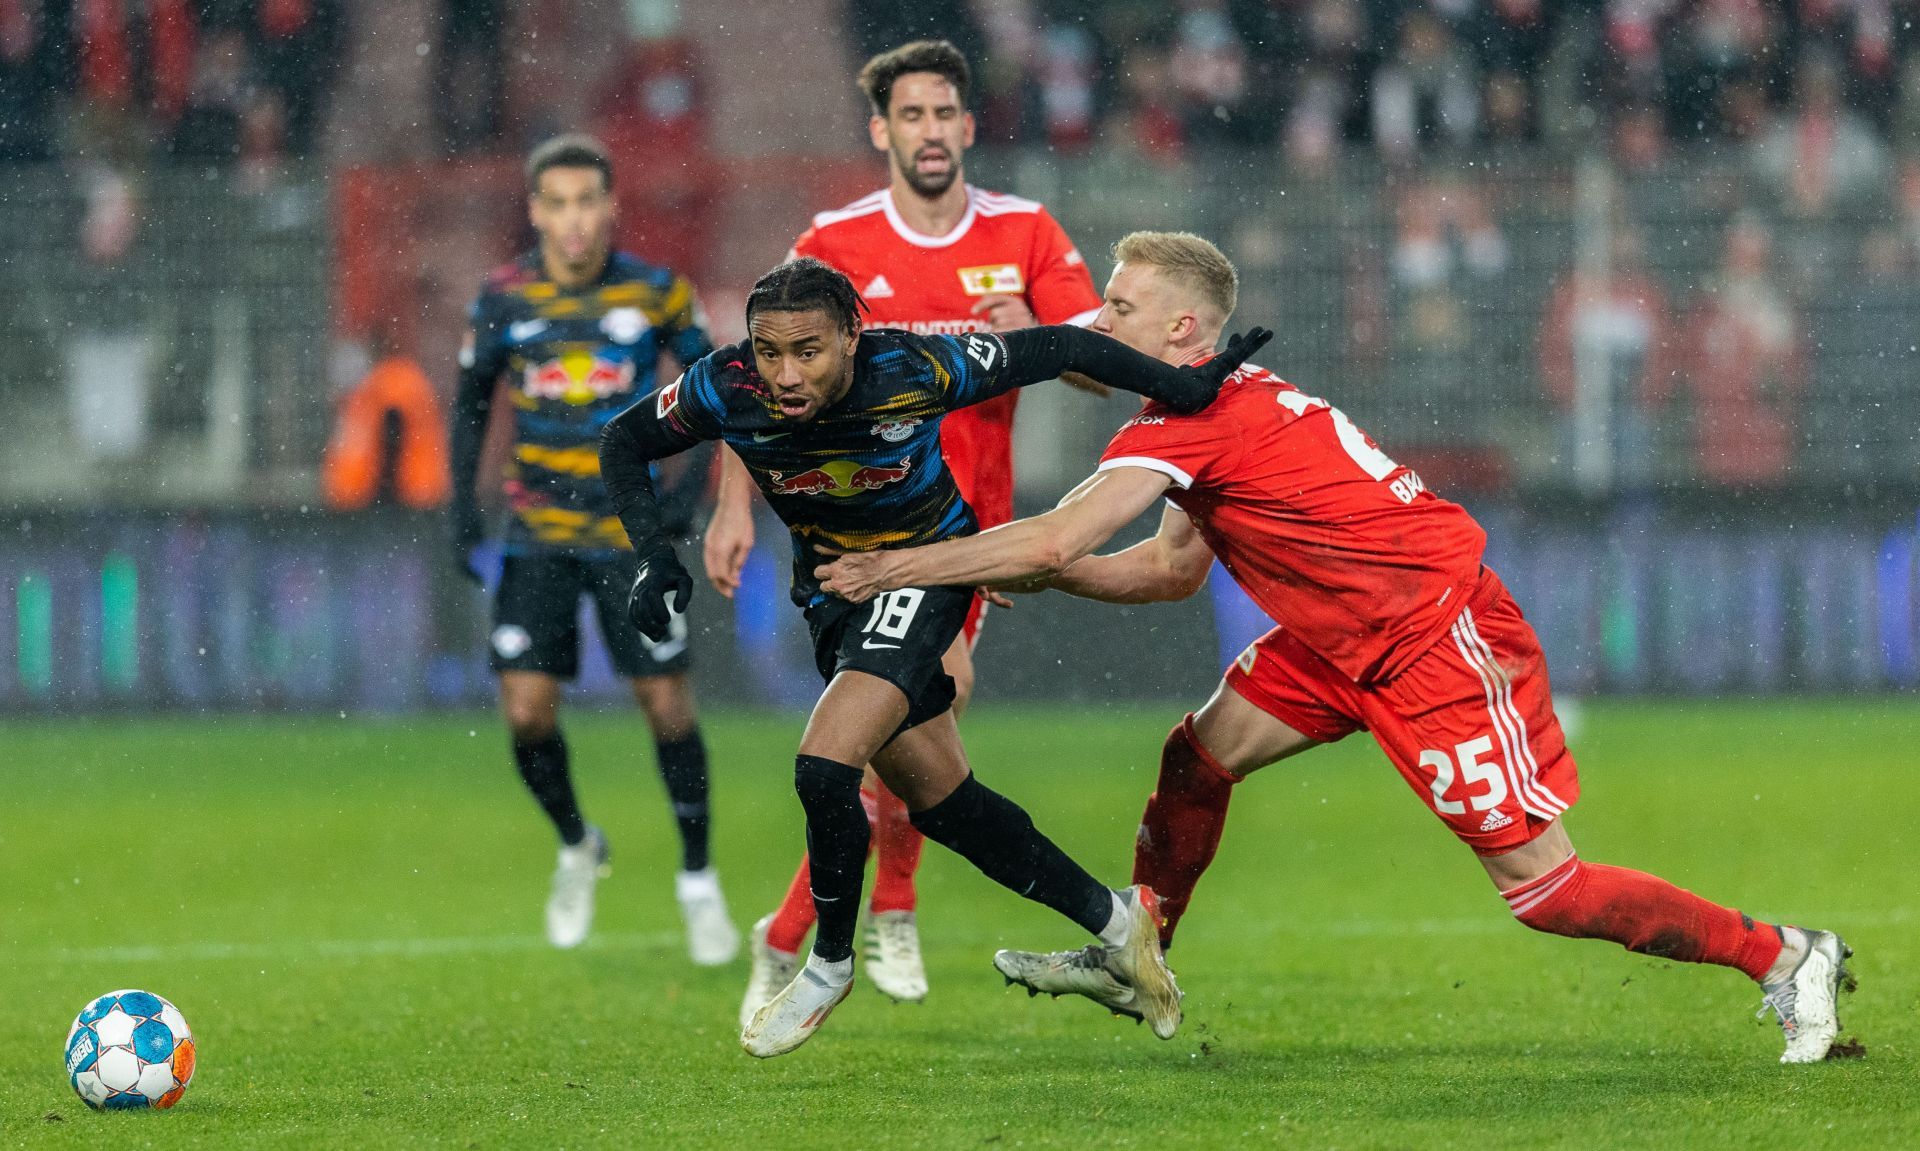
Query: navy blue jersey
(866, 472)
(573, 359)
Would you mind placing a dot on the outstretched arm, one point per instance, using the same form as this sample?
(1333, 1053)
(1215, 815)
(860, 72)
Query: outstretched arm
(1038, 548)
(994, 364)
(1172, 565)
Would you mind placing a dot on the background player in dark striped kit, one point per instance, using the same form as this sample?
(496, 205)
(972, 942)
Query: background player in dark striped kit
(577, 330)
(840, 430)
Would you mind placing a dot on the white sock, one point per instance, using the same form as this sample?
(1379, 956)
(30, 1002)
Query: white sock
(1115, 932)
(834, 974)
(704, 883)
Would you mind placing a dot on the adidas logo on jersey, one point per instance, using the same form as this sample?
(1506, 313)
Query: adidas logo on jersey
(1496, 819)
(879, 289)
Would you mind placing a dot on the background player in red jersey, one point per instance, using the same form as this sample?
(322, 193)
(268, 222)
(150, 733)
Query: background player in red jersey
(1388, 623)
(936, 256)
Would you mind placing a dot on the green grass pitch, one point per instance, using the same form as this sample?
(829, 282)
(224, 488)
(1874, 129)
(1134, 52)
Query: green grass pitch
(347, 912)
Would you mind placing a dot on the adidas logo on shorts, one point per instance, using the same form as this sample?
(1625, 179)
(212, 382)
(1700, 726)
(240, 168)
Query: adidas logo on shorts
(1496, 819)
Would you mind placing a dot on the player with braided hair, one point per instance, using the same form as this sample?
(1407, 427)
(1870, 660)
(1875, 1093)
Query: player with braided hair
(840, 430)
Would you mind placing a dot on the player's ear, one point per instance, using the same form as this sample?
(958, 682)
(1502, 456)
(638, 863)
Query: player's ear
(966, 130)
(1182, 327)
(877, 132)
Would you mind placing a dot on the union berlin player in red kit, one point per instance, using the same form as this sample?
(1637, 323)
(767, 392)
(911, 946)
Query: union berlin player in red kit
(934, 255)
(1388, 624)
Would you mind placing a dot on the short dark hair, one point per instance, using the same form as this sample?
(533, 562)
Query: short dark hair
(937, 56)
(804, 285)
(574, 150)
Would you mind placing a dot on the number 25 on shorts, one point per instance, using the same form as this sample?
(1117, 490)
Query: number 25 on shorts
(1471, 769)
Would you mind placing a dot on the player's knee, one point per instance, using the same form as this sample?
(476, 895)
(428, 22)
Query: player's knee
(1183, 757)
(1550, 903)
(530, 721)
(823, 784)
(667, 702)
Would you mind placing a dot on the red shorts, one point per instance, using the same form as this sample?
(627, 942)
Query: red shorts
(1469, 724)
(978, 445)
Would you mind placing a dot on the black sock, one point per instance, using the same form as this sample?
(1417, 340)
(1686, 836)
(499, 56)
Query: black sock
(543, 764)
(996, 835)
(683, 768)
(837, 846)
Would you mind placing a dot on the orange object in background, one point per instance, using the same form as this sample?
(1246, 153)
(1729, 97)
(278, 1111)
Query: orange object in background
(395, 392)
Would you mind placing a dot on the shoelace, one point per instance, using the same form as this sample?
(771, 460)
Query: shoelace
(1781, 1000)
(1092, 957)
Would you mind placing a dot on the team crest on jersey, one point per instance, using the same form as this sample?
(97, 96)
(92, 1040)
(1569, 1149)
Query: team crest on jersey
(669, 396)
(993, 280)
(578, 378)
(893, 431)
(624, 325)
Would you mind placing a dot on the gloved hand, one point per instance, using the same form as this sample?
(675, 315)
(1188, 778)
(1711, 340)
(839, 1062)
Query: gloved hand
(662, 587)
(469, 530)
(1206, 379)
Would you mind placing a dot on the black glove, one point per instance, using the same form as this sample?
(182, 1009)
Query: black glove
(660, 576)
(469, 529)
(1207, 378)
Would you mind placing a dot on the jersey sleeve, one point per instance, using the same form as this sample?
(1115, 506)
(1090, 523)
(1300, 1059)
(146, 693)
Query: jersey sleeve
(691, 408)
(970, 369)
(1060, 288)
(1189, 450)
(483, 357)
(686, 323)
(483, 352)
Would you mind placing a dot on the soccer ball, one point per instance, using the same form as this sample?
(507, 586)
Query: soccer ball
(128, 1050)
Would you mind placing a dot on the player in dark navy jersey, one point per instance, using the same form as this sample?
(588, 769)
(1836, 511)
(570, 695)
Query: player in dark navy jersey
(577, 330)
(840, 430)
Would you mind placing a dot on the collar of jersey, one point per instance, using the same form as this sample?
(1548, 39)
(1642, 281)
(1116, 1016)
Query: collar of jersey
(534, 264)
(921, 239)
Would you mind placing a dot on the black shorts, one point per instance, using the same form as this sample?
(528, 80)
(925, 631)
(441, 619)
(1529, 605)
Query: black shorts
(899, 637)
(536, 618)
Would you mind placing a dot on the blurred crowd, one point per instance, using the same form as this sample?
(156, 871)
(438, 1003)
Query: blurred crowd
(1731, 303)
(1411, 77)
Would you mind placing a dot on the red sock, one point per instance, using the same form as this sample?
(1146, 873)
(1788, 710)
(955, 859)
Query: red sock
(794, 917)
(1643, 913)
(896, 854)
(1181, 827)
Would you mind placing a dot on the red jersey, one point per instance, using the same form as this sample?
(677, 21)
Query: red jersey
(1003, 245)
(1345, 549)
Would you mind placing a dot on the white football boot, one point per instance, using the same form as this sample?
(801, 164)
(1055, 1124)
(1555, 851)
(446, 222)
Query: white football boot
(1806, 1001)
(570, 907)
(1139, 964)
(712, 939)
(1083, 972)
(893, 956)
(772, 970)
(794, 1015)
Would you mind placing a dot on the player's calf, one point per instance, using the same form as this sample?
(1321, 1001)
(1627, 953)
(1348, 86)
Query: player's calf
(1180, 829)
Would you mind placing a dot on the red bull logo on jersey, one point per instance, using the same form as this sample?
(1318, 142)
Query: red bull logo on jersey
(840, 478)
(577, 378)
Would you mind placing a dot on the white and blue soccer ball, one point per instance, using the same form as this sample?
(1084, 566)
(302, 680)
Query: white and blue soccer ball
(129, 1050)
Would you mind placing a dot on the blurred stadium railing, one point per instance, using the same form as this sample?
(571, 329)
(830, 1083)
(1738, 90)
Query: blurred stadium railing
(1691, 423)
